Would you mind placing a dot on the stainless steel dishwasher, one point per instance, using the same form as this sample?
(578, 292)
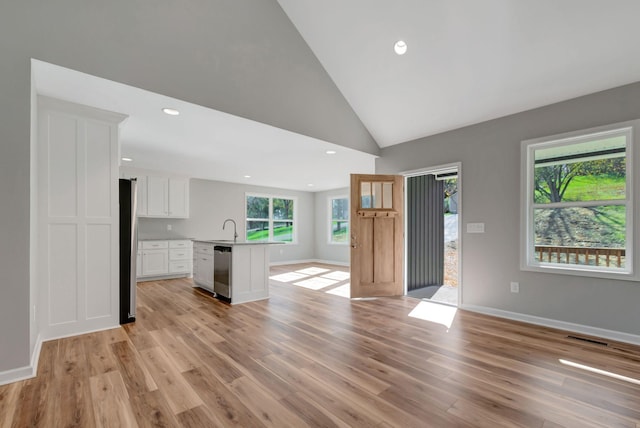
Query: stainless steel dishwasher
(222, 271)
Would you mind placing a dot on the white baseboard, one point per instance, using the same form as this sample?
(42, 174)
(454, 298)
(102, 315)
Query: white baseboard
(23, 373)
(27, 372)
(80, 333)
(560, 325)
(296, 262)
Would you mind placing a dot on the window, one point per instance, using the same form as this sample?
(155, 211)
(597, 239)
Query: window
(338, 220)
(578, 211)
(270, 218)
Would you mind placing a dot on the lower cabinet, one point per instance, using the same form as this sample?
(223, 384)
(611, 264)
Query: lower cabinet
(242, 276)
(155, 262)
(203, 265)
(159, 258)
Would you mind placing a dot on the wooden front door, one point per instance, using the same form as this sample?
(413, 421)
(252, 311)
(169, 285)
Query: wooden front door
(377, 241)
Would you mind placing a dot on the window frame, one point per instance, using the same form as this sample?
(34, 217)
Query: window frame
(271, 220)
(330, 200)
(631, 130)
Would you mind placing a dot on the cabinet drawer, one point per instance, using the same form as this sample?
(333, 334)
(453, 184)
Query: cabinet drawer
(203, 259)
(154, 245)
(180, 244)
(179, 254)
(180, 266)
(200, 248)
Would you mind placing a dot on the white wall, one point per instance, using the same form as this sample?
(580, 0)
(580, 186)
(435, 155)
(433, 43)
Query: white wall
(241, 57)
(211, 202)
(325, 251)
(490, 174)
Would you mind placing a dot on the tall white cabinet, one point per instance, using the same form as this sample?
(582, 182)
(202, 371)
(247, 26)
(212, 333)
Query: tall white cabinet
(78, 218)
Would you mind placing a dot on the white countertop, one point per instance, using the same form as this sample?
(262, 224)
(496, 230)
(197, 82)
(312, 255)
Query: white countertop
(162, 237)
(231, 242)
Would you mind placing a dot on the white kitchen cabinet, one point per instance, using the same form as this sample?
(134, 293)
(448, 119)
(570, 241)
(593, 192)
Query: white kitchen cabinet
(141, 192)
(178, 197)
(167, 197)
(247, 276)
(160, 196)
(165, 258)
(180, 257)
(139, 263)
(155, 262)
(203, 265)
(157, 196)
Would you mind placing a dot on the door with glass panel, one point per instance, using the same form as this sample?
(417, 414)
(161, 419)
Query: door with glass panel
(377, 239)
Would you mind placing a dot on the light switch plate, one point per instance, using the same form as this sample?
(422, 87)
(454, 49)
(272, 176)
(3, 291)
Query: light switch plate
(475, 227)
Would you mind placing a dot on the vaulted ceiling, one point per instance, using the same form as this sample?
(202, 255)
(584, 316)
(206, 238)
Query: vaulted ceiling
(467, 61)
(272, 83)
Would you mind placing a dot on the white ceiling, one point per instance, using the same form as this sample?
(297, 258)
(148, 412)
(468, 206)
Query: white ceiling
(205, 143)
(467, 61)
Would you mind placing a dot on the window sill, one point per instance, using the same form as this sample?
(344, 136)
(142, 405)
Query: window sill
(620, 275)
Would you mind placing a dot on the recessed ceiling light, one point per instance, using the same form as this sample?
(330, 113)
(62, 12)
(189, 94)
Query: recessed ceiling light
(331, 152)
(247, 176)
(127, 159)
(310, 185)
(171, 111)
(400, 47)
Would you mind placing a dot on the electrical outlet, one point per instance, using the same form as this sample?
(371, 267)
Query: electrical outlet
(515, 287)
(169, 227)
(475, 227)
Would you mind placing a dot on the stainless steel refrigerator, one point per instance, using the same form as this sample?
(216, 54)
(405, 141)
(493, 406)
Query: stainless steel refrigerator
(128, 250)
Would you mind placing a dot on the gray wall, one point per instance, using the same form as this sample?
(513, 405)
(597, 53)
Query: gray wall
(211, 202)
(490, 175)
(243, 57)
(323, 250)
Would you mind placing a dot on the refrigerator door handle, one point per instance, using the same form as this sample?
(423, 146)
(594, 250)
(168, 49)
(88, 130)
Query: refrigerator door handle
(134, 247)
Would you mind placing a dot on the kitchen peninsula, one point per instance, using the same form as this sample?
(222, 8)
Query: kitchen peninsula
(235, 271)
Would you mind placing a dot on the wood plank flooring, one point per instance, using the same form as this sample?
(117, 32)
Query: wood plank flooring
(310, 357)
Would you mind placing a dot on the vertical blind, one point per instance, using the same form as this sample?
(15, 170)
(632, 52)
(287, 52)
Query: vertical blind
(425, 232)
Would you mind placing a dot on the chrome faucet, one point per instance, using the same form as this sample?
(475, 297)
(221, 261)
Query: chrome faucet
(235, 233)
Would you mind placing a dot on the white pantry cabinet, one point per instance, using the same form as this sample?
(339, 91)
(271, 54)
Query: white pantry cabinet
(78, 240)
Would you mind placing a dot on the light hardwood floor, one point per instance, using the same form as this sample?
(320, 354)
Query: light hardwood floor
(306, 357)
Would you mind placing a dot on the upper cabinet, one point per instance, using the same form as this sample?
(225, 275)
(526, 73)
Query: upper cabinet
(161, 196)
(157, 196)
(178, 197)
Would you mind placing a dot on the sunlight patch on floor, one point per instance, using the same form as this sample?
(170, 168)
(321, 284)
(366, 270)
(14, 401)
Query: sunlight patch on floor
(342, 291)
(313, 271)
(288, 277)
(434, 312)
(337, 275)
(599, 371)
(315, 283)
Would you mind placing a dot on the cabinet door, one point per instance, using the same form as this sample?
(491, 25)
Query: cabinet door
(142, 195)
(157, 196)
(155, 262)
(178, 197)
(139, 264)
(203, 271)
